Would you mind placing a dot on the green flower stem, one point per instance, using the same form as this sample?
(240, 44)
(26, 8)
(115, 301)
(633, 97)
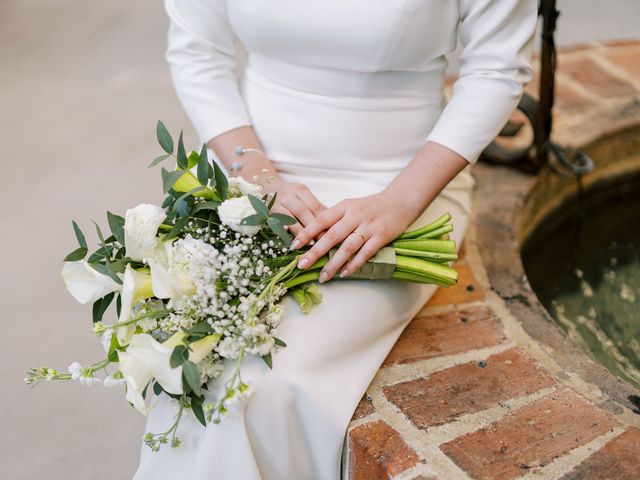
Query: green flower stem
(438, 232)
(427, 268)
(426, 245)
(154, 314)
(432, 256)
(427, 228)
(418, 278)
(312, 276)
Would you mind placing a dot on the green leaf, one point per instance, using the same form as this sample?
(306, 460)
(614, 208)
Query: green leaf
(159, 159)
(177, 228)
(106, 269)
(169, 178)
(259, 206)
(78, 254)
(193, 159)
(203, 166)
(100, 306)
(100, 254)
(181, 207)
(79, 235)
(116, 224)
(164, 138)
(220, 181)
(157, 388)
(196, 407)
(284, 219)
(118, 307)
(210, 205)
(99, 232)
(179, 355)
(272, 201)
(255, 219)
(181, 154)
(268, 360)
(191, 376)
(202, 327)
(279, 342)
(189, 193)
(279, 230)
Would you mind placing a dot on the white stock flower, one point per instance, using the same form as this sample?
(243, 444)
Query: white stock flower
(111, 381)
(85, 283)
(75, 369)
(233, 210)
(238, 187)
(136, 286)
(140, 230)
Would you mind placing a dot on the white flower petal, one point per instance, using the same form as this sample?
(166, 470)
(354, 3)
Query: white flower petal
(141, 229)
(85, 283)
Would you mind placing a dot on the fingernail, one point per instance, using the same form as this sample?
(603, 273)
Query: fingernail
(295, 244)
(324, 276)
(312, 242)
(303, 263)
(344, 273)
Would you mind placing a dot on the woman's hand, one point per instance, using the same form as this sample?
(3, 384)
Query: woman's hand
(363, 226)
(296, 200)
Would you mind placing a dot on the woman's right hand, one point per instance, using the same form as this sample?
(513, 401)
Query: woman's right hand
(296, 200)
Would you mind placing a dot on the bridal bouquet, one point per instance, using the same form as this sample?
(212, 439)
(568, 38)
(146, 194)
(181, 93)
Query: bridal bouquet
(200, 279)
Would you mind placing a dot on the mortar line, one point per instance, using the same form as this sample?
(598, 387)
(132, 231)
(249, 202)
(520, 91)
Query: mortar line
(560, 466)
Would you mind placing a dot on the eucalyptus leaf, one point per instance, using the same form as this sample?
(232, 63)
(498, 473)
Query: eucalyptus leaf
(164, 138)
(203, 166)
(181, 154)
(221, 183)
(202, 327)
(279, 230)
(191, 376)
(157, 388)
(100, 306)
(78, 254)
(158, 160)
(196, 407)
(259, 206)
(116, 224)
(169, 178)
(177, 228)
(209, 205)
(279, 342)
(82, 241)
(272, 201)
(179, 355)
(253, 220)
(268, 359)
(284, 219)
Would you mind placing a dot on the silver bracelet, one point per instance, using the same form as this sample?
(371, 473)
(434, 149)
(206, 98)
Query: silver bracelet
(241, 151)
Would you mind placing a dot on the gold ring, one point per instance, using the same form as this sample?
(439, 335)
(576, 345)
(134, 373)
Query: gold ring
(364, 239)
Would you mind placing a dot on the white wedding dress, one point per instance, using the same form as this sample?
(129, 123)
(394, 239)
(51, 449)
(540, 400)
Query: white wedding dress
(341, 93)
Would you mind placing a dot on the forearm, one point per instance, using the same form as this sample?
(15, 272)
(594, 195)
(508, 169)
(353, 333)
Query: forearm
(256, 168)
(422, 180)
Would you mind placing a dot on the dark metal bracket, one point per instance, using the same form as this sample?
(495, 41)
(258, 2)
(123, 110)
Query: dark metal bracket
(539, 114)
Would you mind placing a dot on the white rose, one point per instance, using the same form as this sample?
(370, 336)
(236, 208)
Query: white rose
(86, 284)
(140, 230)
(233, 210)
(238, 187)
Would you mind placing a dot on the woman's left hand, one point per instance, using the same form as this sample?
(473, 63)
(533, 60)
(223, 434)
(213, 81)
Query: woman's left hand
(362, 225)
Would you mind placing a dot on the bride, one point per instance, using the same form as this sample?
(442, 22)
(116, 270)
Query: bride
(340, 109)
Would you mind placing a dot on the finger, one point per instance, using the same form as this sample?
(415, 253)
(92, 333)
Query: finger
(311, 201)
(300, 211)
(351, 245)
(294, 228)
(368, 250)
(322, 222)
(336, 234)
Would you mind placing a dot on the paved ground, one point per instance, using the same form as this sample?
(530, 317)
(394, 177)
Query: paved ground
(81, 86)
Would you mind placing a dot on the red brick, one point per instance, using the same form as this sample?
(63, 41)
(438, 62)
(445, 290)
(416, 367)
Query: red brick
(627, 59)
(529, 438)
(591, 76)
(617, 460)
(376, 451)
(468, 388)
(447, 334)
(465, 291)
(364, 408)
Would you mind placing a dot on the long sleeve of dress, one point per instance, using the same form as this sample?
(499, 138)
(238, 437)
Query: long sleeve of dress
(497, 39)
(201, 53)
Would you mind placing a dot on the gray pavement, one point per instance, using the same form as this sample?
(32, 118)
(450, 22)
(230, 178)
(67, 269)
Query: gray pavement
(81, 86)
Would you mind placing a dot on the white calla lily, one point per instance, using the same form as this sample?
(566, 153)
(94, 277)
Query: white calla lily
(146, 359)
(141, 229)
(85, 283)
(136, 286)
